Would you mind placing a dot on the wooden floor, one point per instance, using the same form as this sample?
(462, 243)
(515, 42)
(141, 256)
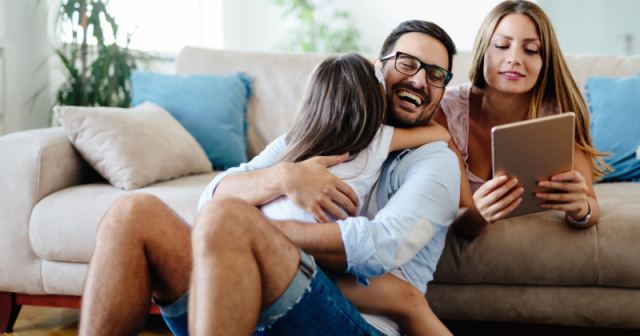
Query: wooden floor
(41, 321)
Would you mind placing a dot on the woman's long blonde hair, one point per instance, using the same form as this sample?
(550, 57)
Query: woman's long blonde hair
(555, 82)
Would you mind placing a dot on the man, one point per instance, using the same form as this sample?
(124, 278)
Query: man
(246, 271)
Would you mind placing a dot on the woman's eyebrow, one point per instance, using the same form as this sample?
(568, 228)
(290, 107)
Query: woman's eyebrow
(507, 37)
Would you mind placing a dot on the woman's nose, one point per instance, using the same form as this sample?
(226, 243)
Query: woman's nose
(514, 56)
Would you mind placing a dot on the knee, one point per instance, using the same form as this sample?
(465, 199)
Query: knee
(126, 212)
(414, 301)
(222, 222)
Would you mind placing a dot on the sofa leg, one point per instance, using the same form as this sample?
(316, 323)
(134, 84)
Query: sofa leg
(9, 311)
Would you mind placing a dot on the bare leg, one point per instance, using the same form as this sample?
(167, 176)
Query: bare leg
(390, 296)
(242, 264)
(142, 247)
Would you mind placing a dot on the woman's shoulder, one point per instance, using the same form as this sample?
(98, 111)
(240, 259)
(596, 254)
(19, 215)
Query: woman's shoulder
(461, 91)
(456, 100)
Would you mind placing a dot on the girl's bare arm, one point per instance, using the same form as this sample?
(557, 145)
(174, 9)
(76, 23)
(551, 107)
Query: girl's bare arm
(397, 299)
(405, 138)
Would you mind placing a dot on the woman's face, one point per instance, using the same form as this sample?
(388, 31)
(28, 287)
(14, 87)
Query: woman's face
(512, 61)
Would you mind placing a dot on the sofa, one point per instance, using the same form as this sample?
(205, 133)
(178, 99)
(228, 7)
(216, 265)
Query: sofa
(531, 270)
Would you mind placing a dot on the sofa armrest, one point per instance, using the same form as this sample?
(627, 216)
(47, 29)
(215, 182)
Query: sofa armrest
(33, 164)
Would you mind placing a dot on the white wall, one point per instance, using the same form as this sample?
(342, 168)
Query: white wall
(257, 25)
(25, 47)
(582, 26)
(596, 26)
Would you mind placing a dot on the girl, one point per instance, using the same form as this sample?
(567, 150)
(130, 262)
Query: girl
(343, 111)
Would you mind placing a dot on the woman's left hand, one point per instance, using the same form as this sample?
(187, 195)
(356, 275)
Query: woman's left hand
(573, 201)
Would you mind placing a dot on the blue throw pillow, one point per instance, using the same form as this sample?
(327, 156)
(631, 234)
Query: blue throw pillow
(211, 107)
(614, 103)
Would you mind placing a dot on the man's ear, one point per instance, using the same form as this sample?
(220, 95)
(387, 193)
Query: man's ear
(377, 62)
(443, 91)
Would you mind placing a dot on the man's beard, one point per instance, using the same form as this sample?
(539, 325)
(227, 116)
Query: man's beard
(395, 119)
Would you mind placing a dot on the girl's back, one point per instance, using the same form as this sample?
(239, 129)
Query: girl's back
(360, 173)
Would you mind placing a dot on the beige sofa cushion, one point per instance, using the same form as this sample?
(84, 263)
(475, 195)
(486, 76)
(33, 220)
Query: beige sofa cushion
(619, 234)
(541, 249)
(63, 225)
(133, 147)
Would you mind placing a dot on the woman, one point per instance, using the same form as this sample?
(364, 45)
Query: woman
(517, 73)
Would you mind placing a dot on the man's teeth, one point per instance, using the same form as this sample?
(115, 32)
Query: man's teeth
(410, 95)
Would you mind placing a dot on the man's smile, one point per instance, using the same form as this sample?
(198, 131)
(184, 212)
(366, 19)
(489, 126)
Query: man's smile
(409, 97)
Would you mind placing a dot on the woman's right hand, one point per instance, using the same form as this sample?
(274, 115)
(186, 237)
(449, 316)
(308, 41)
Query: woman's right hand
(493, 199)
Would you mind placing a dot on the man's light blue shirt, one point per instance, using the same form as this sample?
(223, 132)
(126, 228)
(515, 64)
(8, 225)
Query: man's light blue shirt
(418, 194)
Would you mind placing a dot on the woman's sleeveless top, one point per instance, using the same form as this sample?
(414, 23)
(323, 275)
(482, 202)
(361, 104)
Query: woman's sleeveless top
(455, 105)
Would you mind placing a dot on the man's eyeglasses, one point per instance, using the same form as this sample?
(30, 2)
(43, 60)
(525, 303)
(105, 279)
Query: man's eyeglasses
(409, 65)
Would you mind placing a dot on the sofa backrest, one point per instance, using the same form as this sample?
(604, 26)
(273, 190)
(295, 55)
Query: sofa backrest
(280, 79)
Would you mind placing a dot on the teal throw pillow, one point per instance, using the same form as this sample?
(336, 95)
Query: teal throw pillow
(614, 103)
(211, 107)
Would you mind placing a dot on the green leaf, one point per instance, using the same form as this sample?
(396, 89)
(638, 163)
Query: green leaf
(108, 67)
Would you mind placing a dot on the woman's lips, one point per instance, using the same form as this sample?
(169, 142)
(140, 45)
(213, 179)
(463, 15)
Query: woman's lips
(512, 75)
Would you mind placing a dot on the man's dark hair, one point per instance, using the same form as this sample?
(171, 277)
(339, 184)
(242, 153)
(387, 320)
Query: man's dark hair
(418, 26)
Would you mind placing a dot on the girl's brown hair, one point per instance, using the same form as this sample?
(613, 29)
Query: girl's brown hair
(555, 82)
(341, 112)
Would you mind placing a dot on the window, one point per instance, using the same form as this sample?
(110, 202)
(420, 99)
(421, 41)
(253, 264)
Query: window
(169, 25)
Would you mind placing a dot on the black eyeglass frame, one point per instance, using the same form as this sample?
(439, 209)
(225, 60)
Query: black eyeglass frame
(422, 65)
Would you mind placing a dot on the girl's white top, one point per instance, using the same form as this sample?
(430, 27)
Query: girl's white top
(361, 174)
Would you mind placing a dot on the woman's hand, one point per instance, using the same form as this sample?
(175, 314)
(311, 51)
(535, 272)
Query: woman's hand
(573, 201)
(493, 199)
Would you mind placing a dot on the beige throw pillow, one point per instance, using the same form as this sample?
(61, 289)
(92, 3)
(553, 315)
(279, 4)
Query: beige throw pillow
(133, 147)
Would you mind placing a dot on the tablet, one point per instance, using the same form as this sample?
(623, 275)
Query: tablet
(533, 151)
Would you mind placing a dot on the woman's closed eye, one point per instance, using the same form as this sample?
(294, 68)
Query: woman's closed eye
(530, 51)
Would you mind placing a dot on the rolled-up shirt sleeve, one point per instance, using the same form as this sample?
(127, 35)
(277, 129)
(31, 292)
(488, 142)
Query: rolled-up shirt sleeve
(425, 204)
(265, 159)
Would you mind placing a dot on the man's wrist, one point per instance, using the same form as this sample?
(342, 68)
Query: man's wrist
(277, 178)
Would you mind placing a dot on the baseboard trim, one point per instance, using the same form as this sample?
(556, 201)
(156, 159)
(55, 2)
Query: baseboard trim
(481, 328)
(59, 301)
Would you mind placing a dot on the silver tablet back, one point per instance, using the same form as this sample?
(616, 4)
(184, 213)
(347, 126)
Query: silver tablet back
(533, 151)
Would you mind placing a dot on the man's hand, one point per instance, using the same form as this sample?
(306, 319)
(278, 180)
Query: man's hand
(311, 187)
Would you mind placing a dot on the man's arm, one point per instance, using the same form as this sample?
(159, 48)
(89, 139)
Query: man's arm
(424, 205)
(308, 184)
(322, 241)
(256, 187)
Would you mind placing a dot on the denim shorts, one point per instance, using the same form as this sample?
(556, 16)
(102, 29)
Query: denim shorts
(311, 305)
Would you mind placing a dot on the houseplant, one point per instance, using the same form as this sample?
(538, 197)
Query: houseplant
(96, 67)
(318, 27)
